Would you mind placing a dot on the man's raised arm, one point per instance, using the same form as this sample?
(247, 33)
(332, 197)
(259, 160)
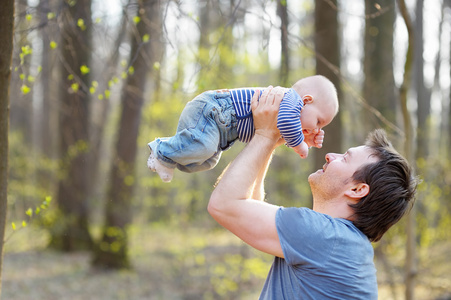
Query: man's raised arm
(231, 203)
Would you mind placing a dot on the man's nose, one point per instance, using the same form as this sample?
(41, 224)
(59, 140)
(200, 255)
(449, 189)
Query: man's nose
(330, 156)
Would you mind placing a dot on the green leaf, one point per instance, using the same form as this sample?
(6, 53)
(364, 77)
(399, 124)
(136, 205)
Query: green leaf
(156, 66)
(146, 38)
(28, 17)
(37, 210)
(84, 70)
(129, 180)
(53, 44)
(25, 89)
(24, 224)
(29, 212)
(74, 86)
(30, 78)
(13, 225)
(92, 90)
(81, 24)
(50, 15)
(27, 50)
(131, 70)
(136, 19)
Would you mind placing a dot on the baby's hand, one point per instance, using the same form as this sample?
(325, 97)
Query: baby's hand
(315, 139)
(301, 149)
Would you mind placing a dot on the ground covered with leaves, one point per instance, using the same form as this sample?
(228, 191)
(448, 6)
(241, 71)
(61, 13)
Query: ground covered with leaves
(177, 263)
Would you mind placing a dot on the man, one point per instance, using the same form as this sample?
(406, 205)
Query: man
(324, 253)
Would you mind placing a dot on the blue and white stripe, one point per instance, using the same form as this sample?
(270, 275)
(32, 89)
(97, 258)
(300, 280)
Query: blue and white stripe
(288, 120)
(241, 99)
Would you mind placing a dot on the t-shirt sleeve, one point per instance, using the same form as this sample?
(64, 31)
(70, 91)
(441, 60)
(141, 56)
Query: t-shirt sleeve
(306, 236)
(288, 119)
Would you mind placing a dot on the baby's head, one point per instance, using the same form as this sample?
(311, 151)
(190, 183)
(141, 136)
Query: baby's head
(320, 102)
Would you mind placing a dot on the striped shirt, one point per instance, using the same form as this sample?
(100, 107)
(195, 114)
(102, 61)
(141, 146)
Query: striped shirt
(288, 120)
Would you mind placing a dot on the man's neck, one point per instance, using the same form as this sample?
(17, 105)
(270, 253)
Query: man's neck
(335, 208)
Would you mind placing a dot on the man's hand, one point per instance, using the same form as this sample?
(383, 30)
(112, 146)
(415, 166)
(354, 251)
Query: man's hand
(265, 112)
(315, 139)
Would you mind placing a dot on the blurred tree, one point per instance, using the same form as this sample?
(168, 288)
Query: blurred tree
(282, 12)
(101, 107)
(423, 94)
(47, 110)
(112, 251)
(448, 3)
(409, 152)
(71, 232)
(379, 90)
(216, 57)
(21, 95)
(379, 83)
(327, 48)
(6, 49)
(442, 149)
(46, 114)
(206, 27)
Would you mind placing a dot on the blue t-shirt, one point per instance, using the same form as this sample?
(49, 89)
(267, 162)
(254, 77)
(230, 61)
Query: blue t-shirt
(325, 258)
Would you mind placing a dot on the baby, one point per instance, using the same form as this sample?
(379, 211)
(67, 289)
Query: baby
(214, 120)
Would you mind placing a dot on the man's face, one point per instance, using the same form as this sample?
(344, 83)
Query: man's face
(336, 175)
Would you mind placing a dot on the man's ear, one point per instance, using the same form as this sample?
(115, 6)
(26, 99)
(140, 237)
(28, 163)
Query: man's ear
(307, 99)
(358, 191)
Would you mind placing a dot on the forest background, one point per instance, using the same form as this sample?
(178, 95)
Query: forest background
(93, 81)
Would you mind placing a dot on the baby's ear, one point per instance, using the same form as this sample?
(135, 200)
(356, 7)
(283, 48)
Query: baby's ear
(307, 99)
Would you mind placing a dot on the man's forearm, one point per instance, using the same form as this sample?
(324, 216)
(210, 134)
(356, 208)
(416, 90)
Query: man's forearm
(244, 178)
(258, 192)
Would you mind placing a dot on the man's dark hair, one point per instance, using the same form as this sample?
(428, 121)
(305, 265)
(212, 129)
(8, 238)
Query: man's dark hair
(392, 188)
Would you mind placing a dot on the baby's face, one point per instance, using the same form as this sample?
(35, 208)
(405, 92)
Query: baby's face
(316, 115)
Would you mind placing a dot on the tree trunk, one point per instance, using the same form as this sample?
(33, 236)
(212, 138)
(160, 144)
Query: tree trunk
(100, 113)
(423, 95)
(21, 94)
(449, 97)
(206, 26)
(47, 114)
(411, 264)
(6, 49)
(327, 48)
(379, 84)
(112, 251)
(282, 12)
(72, 233)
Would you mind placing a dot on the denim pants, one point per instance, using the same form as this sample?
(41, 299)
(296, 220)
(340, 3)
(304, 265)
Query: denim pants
(207, 126)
